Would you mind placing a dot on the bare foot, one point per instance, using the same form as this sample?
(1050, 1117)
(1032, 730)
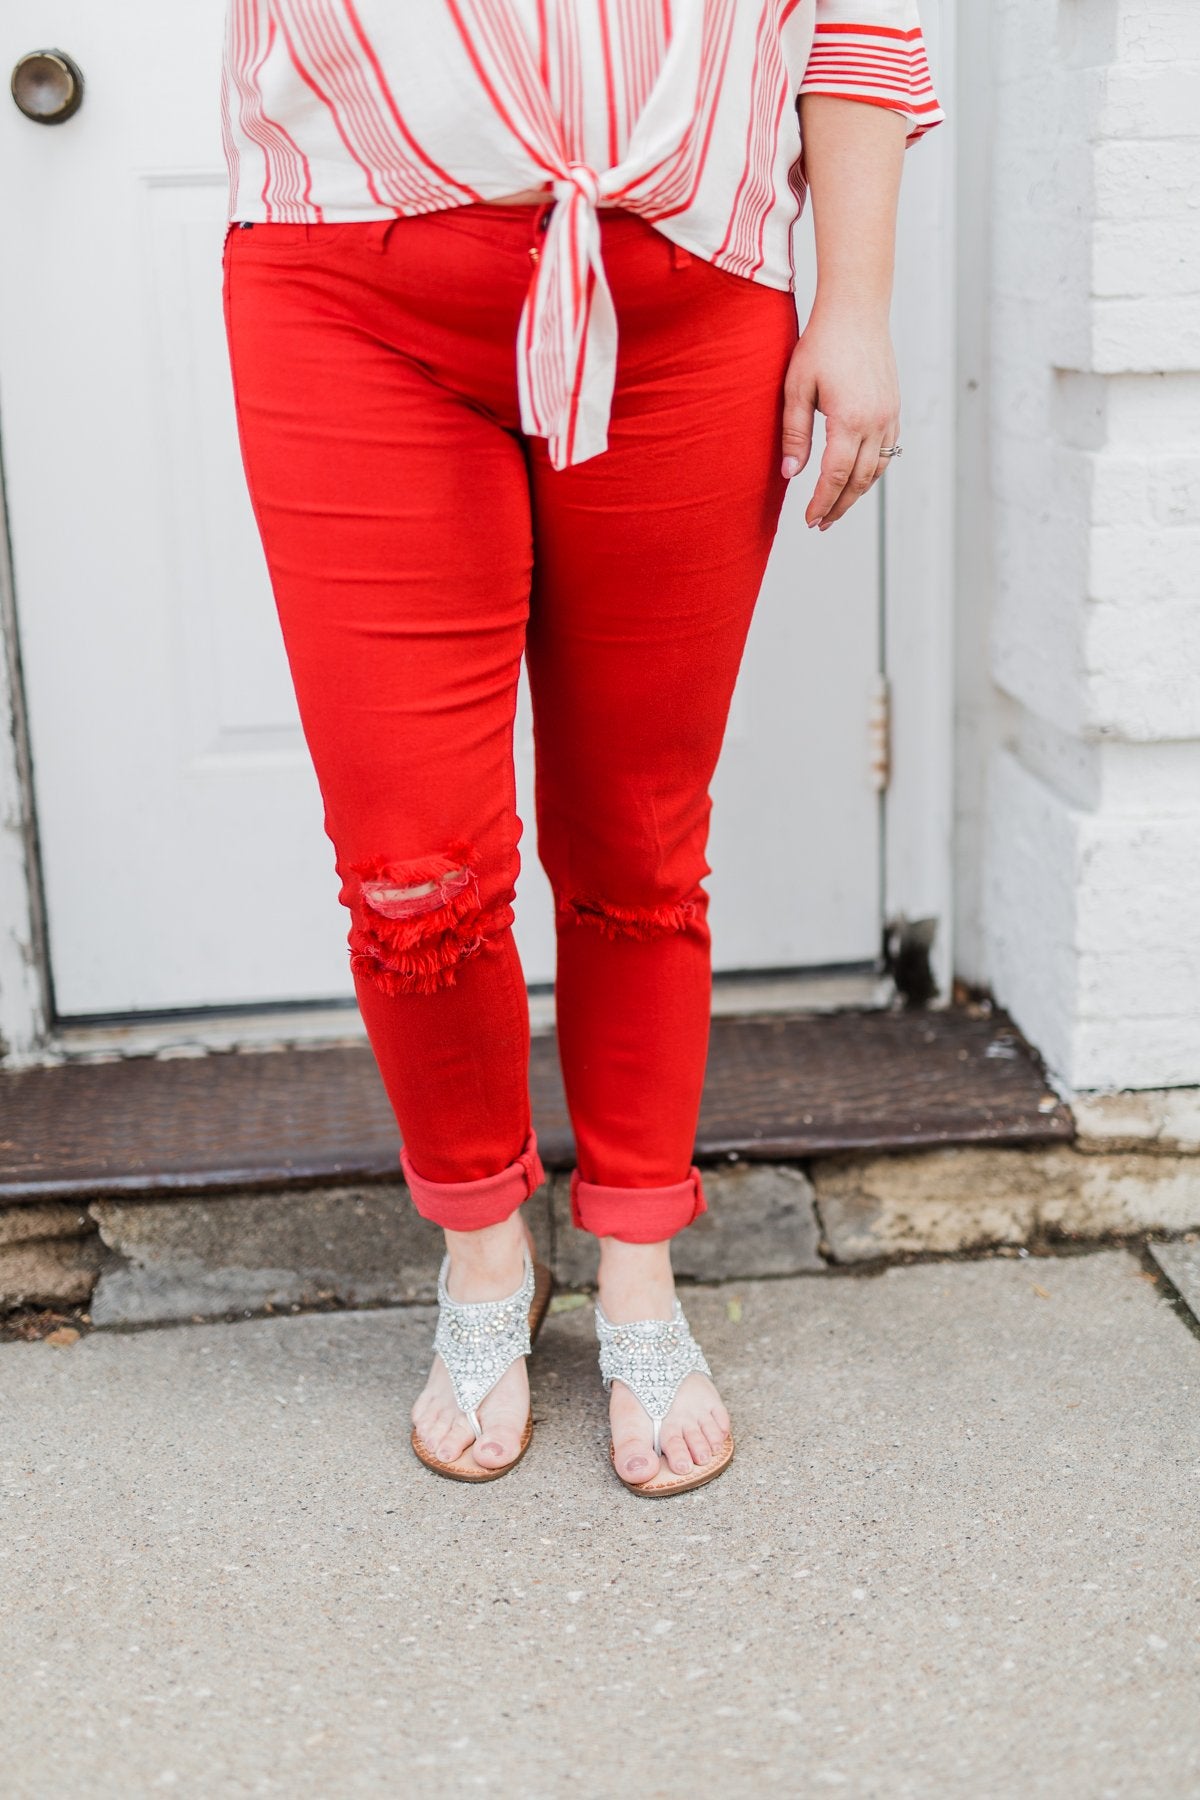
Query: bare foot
(484, 1265)
(636, 1283)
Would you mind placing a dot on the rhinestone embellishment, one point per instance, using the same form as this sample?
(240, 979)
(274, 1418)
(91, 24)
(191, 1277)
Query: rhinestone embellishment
(479, 1339)
(652, 1357)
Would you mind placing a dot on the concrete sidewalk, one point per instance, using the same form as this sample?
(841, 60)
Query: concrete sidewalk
(958, 1555)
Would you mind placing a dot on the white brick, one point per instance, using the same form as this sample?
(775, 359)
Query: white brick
(1149, 1052)
(1146, 258)
(1119, 490)
(1175, 489)
(1154, 410)
(1159, 779)
(1143, 671)
(1151, 180)
(1128, 985)
(1134, 32)
(1147, 101)
(1140, 562)
(1030, 891)
(1135, 337)
(1139, 879)
(1157, 31)
(1124, 413)
(1037, 619)
(1094, 928)
(1140, 489)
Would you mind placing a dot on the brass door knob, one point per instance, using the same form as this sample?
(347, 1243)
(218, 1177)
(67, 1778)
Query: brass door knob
(47, 86)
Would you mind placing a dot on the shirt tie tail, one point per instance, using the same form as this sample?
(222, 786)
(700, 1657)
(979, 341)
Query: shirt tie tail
(567, 350)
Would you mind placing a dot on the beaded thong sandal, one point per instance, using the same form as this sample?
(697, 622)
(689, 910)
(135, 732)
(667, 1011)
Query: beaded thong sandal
(653, 1357)
(478, 1340)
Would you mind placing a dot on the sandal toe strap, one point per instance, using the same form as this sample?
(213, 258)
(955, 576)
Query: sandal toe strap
(478, 1340)
(653, 1357)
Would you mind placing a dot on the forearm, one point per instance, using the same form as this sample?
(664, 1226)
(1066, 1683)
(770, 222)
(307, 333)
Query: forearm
(853, 157)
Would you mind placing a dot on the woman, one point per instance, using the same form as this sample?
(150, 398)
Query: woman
(509, 305)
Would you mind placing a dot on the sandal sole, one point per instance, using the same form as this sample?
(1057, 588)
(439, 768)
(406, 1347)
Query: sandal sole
(464, 1468)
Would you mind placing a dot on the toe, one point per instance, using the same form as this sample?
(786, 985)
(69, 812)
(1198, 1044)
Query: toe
(499, 1445)
(433, 1429)
(721, 1419)
(635, 1460)
(697, 1443)
(678, 1456)
(716, 1435)
(455, 1439)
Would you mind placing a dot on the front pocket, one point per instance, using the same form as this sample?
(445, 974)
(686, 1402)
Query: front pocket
(277, 238)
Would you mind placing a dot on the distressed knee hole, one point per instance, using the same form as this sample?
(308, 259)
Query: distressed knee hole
(392, 902)
(631, 921)
(414, 922)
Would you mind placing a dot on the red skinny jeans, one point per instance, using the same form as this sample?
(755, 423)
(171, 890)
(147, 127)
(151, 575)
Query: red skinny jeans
(418, 544)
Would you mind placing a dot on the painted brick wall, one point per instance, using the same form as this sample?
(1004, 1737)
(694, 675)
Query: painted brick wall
(1091, 856)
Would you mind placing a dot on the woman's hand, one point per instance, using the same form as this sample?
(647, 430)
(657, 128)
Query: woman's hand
(842, 366)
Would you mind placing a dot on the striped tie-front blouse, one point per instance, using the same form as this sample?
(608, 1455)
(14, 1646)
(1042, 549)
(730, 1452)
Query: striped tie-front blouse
(682, 111)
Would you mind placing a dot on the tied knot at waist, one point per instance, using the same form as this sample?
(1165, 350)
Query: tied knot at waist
(580, 181)
(567, 348)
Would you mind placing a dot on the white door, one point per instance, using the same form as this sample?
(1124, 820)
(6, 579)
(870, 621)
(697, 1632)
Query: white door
(183, 857)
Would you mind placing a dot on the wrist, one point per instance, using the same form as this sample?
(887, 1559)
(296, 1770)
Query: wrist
(868, 307)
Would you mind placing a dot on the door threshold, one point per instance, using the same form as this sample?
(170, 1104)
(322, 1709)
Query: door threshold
(321, 1026)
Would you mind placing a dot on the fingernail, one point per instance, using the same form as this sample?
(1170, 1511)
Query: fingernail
(791, 466)
(813, 523)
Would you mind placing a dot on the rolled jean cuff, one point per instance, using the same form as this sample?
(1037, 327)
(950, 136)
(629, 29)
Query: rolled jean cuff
(636, 1215)
(471, 1205)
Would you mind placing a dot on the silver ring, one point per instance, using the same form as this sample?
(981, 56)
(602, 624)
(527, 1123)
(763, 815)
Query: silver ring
(895, 450)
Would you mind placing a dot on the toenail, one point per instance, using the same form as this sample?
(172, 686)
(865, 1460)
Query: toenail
(493, 1449)
(637, 1462)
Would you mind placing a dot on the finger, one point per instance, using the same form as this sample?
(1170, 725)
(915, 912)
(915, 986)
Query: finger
(868, 465)
(891, 437)
(837, 466)
(799, 414)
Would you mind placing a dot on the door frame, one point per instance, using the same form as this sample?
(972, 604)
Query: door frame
(25, 998)
(918, 535)
(916, 566)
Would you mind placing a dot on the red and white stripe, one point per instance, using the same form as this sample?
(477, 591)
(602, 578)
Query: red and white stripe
(882, 62)
(680, 110)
